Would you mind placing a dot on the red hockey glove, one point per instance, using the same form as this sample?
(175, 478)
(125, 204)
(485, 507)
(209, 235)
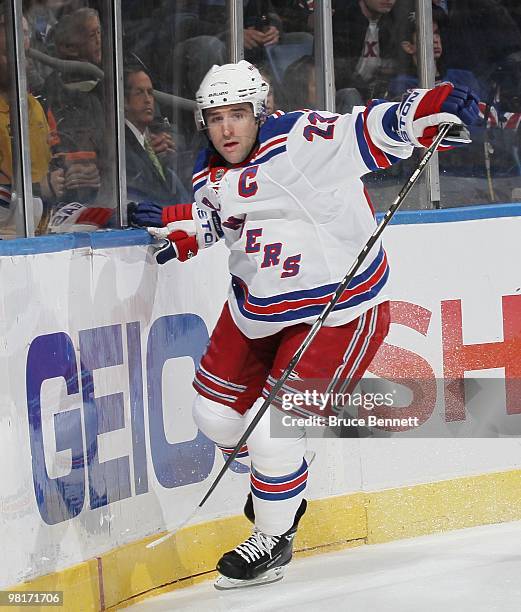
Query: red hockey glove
(423, 110)
(184, 234)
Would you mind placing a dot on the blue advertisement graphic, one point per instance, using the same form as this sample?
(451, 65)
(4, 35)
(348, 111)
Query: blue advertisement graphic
(58, 499)
(109, 481)
(183, 463)
(175, 464)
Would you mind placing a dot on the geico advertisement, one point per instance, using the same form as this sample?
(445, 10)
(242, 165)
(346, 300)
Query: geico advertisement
(456, 310)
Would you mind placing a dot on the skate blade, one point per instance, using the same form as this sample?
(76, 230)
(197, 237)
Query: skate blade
(273, 575)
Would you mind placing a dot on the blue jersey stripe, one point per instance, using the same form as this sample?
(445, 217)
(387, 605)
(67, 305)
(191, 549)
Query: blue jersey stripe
(269, 155)
(309, 311)
(317, 292)
(277, 126)
(202, 161)
(363, 147)
(200, 184)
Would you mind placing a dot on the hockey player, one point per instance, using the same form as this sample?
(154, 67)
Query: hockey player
(285, 194)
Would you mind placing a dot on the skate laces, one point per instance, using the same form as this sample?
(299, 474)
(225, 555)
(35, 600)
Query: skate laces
(256, 546)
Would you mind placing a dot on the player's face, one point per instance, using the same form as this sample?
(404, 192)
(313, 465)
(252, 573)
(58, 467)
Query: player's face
(232, 130)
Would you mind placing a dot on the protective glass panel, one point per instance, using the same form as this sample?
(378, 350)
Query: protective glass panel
(9, 228)
(168, 48)
(480, 47)
(69, 71)
(370, 63)
(288, 62)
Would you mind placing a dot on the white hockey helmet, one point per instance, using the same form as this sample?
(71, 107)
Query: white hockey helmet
(231, 84)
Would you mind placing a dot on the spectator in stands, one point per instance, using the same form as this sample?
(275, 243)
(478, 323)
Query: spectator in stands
(44, 14)
(79, 37)
(41, 19)
(407, 60)
(271, 103)
(363, 42)
(149, 154)
(480, 36)
(74, 110)
(299, 84)
(300, 88)
(203, 42)
(479, 160)
(47, 184)
(295, 15)
(199, 31)
(179, 41)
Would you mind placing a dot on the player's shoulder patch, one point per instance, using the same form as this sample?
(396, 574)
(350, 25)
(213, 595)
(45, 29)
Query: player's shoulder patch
(278, 124)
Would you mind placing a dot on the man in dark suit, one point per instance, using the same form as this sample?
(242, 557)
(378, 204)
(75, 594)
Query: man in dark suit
(149, 152)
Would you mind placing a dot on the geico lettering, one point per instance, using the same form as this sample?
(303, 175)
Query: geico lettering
(92, 481)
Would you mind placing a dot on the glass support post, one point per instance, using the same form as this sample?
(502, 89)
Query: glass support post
(427, 72)
(21, 188)
(324, 65)
(235, 43)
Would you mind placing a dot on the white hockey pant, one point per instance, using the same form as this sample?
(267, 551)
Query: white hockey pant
(278, 470)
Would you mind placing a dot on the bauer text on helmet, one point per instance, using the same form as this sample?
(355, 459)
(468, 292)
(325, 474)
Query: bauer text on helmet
(231, 84)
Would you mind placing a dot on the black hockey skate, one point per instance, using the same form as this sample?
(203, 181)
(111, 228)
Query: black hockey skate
(260, 559)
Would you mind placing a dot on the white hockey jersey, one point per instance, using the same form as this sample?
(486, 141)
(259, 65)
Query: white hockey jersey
(296, 214)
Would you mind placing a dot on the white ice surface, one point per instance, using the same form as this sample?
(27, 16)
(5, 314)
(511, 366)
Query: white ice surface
(471, 570)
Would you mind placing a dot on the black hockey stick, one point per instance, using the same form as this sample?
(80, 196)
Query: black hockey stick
(443, 132)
